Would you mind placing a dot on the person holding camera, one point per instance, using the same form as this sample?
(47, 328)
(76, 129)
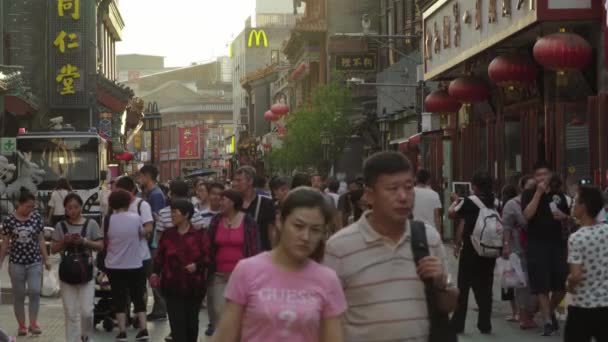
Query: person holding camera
(76, 238)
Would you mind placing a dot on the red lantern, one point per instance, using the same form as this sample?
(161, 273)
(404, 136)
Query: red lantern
(125, 156)
(270, 116)
(512, 71)
(563, 51)
(468, 90)
(279, 109)
(440, 101)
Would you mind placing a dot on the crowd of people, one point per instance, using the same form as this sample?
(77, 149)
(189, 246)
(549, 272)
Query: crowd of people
(310, 259)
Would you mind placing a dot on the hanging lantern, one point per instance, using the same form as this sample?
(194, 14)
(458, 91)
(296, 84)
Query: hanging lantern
(279, 109)
(468, 90)
(512, 71)
(270, 116)
(563, 52)
(442, 103)
(125, 156)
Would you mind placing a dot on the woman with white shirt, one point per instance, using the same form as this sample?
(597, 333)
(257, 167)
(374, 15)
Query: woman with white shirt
(124, 262)
(56, 211)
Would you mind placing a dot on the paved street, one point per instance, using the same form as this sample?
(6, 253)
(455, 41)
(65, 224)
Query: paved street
(51, 321)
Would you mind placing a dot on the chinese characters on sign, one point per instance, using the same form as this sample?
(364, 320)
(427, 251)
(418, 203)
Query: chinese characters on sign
(456, 12)
(67, 66)
(188, 143)
(66, 78)
(356, 63)
(69, 7)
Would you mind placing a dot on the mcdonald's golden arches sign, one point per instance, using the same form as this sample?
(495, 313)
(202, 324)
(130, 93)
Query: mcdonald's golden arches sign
(257, 38)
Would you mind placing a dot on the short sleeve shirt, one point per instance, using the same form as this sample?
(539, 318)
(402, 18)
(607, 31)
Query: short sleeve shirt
(124, 242)
(56, 202)
(542, 226)
(24, 236)
(93, 232)
(425, 203)
(265, 218)
(284, 306)
(469, 211)
(197, 221)
(386, 298)
(589, 247)
(144, 211)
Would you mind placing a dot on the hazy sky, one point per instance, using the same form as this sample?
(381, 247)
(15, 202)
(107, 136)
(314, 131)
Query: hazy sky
(184, 31)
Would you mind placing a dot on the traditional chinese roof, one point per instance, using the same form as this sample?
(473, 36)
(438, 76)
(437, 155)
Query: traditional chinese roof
(113, 94)
(18, 95)
(122, 92)
(259, 74)
(303, 28)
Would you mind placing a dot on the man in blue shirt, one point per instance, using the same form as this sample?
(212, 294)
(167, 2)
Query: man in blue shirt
(156, 198)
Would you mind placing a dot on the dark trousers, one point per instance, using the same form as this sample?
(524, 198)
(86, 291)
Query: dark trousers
(159, 307)
(476, 273)
(583, 324)
(183, 316)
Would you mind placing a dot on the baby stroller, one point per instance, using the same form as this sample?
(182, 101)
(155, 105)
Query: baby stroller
(104, 311)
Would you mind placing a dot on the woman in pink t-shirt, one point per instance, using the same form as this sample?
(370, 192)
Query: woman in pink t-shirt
(233, 236)
(284, 294)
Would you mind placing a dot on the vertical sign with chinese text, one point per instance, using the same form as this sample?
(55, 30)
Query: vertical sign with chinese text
(188, 143)
(67, 36)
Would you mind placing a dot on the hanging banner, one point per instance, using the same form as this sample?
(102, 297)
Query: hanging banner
(188, 143)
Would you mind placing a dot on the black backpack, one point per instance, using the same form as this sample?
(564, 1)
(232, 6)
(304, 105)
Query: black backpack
(76, 265)
(440, 322)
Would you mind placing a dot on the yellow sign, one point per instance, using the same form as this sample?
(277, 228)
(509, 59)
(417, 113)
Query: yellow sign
(72, 6)
(66, 77)
(258, 34)
(137, 141)
(60, 41)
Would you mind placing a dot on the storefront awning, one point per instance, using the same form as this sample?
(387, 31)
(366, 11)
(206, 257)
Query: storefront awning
(412, 141)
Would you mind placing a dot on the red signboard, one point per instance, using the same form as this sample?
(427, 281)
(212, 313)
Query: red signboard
(156, 146)
(188, 143)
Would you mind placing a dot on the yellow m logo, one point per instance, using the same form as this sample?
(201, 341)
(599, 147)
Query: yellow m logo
(258, 34)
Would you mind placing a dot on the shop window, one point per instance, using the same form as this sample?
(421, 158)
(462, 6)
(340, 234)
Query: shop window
(513, 155)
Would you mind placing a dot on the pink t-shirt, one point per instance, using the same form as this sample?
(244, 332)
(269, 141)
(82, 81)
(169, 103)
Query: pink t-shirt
(281, 305)
(229, 247)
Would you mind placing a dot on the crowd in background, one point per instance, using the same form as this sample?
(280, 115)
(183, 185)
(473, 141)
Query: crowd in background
(311, 258)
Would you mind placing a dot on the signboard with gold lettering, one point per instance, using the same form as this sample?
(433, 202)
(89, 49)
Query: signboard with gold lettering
(456, 30)
(362, 62)
(188, 143)
(68, 34)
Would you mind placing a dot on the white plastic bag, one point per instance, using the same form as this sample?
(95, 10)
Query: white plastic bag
(511, 272)
(50, 284)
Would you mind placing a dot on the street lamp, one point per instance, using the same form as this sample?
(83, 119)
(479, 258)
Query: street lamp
(153, 124)
(325, 141)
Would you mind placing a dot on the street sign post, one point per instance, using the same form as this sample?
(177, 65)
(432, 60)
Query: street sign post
(8, 146)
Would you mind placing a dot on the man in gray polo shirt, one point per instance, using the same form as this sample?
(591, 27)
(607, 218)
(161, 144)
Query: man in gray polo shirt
(373, 258)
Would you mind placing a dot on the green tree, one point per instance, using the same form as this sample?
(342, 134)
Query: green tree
(327, 112)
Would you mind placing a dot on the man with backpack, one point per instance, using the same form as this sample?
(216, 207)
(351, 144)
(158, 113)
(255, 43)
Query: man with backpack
(155, 196)
(477, 257)
(393, 270)
(546, 209)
